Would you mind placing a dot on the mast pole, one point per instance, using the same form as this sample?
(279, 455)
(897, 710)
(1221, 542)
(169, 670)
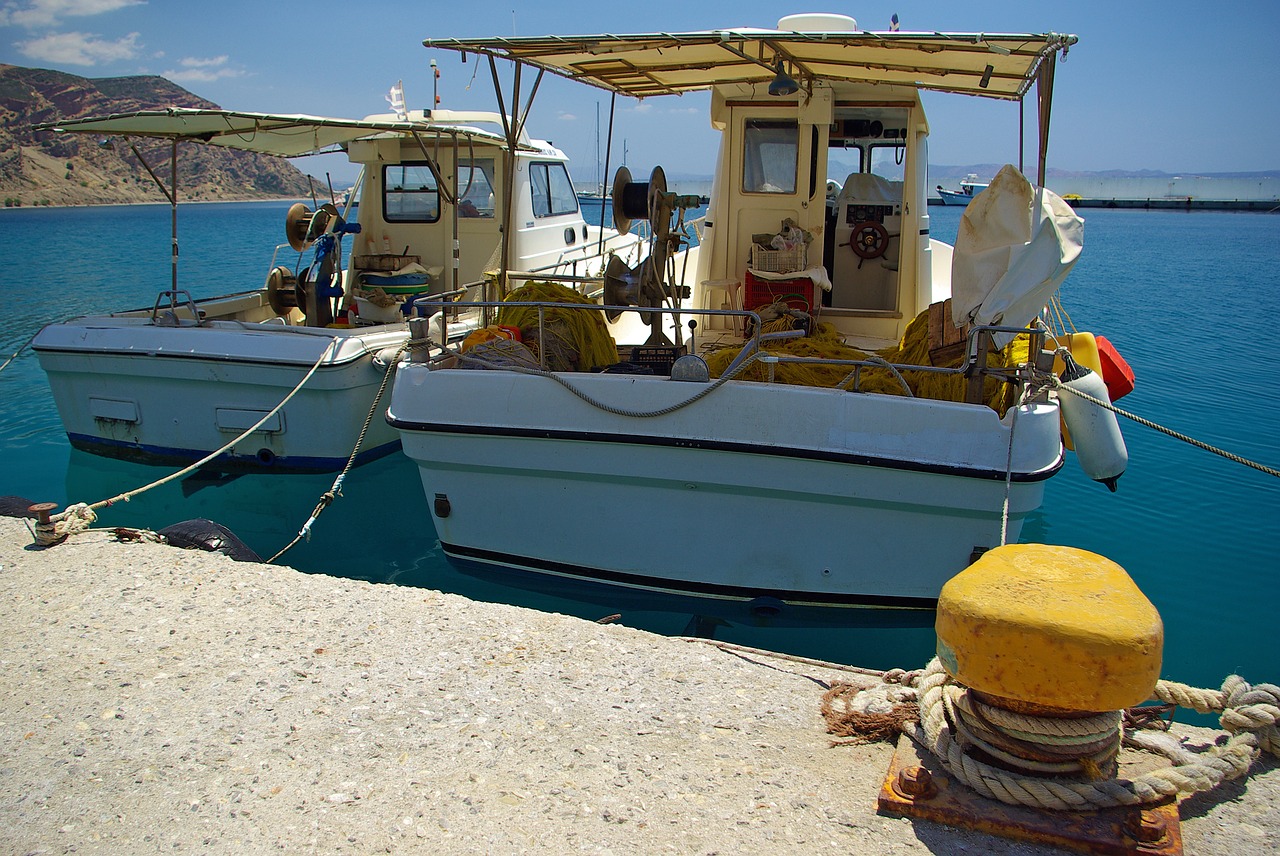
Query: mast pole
(173, 211)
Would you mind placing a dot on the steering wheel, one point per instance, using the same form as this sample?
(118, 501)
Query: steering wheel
(869, 239)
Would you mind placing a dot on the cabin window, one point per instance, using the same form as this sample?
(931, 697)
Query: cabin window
(409, 194)
(770, 156)
(552, 190)
(477, 200)
(889, 161)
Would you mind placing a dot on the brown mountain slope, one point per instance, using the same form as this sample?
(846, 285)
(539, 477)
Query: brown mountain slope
(73, 169)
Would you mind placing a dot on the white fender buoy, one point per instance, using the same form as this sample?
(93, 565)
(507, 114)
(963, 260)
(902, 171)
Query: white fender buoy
(1099, 445)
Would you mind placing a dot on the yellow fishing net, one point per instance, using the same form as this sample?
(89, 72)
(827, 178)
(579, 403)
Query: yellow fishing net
(825, 343)
(572, 339)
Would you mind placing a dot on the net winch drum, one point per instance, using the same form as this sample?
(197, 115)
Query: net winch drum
(302, 225)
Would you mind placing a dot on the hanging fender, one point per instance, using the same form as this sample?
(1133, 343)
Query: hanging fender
(1100, 447)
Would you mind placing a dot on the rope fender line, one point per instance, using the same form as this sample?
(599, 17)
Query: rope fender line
(1248, 713)
(1056, 382)
(79, 516)
(622, 411)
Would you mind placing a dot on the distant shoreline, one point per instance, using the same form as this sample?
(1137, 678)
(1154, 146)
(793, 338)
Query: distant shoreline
(151, 202)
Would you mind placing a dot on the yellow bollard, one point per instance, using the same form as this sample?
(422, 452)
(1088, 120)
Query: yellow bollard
(1053, 626)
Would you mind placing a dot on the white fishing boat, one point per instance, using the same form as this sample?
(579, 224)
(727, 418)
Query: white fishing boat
(714, 477)
(970, 186)
(181, 377)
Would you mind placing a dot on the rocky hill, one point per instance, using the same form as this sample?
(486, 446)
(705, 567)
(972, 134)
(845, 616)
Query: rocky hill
(73, 169)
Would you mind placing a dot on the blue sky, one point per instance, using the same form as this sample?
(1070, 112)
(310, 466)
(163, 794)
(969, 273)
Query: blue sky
(1173, 86)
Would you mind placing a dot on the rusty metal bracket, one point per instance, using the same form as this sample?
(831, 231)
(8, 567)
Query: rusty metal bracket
(918, 786)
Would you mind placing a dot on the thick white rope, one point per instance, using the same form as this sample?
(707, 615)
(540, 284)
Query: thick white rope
(1248, 713)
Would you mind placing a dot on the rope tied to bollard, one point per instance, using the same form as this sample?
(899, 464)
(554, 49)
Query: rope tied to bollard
(1250, 714)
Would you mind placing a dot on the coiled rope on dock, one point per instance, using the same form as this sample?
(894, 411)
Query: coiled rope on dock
(80, 516)
(956, 725)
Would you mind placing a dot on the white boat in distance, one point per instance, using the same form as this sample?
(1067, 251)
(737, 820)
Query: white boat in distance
(970, 186)
(745, 487)
(179, 378)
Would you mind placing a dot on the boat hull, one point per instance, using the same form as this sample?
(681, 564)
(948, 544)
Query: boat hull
(951, 197)
(128, 389)
(757, 491)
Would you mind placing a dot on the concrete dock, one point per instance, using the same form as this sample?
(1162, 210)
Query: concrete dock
(154, 699)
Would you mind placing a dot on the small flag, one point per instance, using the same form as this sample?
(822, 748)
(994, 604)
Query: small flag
(396, 99)
(893, 23)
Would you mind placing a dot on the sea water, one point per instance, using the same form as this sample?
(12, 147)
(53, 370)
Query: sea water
(1190, 299)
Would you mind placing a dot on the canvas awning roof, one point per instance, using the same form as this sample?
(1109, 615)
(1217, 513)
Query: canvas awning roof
(268, 133)
(984, 64)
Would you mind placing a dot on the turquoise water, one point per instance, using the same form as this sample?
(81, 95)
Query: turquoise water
(1189, 299)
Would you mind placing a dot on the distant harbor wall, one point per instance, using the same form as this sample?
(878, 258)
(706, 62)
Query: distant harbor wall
(1191, 192)
(1168, 187)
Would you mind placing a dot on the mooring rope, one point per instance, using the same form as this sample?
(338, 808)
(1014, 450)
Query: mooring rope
(1248, 713)
(80, 516)
(335, 490)
(1056, 383)
(19, 351)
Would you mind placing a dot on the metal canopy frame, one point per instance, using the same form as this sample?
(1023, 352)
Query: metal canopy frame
(983, 64)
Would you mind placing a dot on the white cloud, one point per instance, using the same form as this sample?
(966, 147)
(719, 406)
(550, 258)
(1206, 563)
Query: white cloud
(49, 13)
(79, 48)
(201, 70)
(567, 117)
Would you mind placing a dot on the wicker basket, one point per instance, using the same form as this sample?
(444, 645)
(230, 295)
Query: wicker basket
(778, 261)
(383, 262)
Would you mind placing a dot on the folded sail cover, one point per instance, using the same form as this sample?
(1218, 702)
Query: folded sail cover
(1015, 246)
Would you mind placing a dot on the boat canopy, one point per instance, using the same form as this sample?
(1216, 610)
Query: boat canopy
(984, 64)
(267, 133)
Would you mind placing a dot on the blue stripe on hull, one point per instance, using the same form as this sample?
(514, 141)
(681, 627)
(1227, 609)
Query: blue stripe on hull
(163, 456)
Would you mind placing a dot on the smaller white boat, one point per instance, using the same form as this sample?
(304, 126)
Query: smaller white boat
(970, 186)
(183, 375)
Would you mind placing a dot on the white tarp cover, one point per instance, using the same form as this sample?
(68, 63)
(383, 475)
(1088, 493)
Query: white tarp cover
(1015, 246)
(868, 189)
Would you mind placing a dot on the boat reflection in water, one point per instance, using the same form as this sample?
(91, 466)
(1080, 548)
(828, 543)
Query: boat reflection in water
(379, 531)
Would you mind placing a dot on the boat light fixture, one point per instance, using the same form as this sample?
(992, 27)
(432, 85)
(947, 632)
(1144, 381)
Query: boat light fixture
(783, 83)
(986, 76)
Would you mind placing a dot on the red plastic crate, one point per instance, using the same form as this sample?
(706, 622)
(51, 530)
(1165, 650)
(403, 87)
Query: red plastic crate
(796, 293)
